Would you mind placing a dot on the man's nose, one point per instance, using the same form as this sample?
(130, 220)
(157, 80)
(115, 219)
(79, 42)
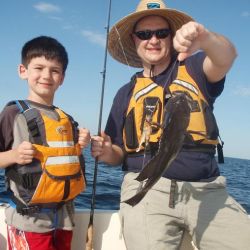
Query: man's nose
(154, 39)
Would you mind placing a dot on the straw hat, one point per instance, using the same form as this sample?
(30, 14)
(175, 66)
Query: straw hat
(121, 46)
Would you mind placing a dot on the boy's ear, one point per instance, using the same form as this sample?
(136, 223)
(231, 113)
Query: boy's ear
(22, 71)
(62, 79)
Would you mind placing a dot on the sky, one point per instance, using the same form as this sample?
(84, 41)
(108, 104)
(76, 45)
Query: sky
(81, 27)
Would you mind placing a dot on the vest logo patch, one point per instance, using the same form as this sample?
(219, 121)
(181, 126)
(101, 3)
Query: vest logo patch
(61, 130)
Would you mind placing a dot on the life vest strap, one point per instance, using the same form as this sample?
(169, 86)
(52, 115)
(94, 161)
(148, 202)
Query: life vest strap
(151, 149)
(30, 115)
(172, 192)
(206, 148)
(24, 209)
(28, 180)
(220, 153)
(64, 177)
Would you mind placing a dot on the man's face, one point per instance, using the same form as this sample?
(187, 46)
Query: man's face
(154, 51)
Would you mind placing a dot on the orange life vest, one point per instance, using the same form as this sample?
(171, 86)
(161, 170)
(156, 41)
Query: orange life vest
(56, 174)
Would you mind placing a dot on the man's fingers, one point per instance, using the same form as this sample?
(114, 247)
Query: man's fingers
(182, 56)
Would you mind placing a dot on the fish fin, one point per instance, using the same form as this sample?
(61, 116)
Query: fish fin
(141, 192)
(136, 198)
(148, 169)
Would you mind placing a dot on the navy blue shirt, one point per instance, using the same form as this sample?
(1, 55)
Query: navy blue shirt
(188, 166)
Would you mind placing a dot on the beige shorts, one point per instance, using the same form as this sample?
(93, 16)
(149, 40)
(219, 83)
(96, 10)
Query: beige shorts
(204, 209)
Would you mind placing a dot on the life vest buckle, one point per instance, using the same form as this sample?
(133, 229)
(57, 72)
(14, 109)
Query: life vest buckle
(28, 210)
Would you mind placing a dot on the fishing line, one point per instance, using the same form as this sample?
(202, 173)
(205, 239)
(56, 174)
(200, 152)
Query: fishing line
(123, 51)
(152, 76)
(152, 112)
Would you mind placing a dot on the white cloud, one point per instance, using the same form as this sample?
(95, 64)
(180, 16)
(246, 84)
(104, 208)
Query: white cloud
(56, 18)
(242, 91)
(94, 37)
(245, 14)
(47, 7)
(68, 27)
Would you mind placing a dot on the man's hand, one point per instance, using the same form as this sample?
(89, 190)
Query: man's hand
(102, 147)
(188, 39)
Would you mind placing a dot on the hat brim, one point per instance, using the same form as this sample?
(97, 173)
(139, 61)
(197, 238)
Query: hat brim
(120, 43)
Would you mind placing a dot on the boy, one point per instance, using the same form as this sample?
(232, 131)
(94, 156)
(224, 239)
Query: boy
(40, 148)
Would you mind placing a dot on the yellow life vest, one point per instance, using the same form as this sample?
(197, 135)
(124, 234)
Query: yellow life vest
(56, 173)
(145, 108)
(202, 127)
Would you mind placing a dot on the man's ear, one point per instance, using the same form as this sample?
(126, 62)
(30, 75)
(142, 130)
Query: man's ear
(22, 72)
(132, 37)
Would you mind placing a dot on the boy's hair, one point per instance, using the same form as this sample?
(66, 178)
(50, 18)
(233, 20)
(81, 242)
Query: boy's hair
(45, 46)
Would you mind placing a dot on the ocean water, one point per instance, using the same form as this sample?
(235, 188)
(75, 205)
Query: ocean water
(109, 179)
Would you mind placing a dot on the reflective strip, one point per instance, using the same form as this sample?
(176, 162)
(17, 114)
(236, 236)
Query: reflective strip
(187, 86)
(60, 144)
(145, 91)
(62, 160)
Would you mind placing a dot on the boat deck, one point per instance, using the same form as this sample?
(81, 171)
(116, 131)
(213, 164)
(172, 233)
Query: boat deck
(107, 232)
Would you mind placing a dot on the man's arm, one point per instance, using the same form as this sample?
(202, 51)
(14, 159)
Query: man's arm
(220, 56)
(220, 52)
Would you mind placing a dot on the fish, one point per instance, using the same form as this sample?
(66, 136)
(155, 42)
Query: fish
(147, 130)
(174, 129)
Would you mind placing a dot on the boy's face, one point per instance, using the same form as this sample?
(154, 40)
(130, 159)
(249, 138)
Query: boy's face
(44, 77)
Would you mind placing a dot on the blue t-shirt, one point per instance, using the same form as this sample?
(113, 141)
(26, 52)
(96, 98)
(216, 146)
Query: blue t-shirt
(188, 166)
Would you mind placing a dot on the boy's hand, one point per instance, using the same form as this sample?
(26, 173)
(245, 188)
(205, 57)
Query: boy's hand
(84, 137)
(24, 153)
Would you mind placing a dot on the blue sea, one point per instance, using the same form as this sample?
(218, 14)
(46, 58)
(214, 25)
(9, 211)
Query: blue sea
(237, 172)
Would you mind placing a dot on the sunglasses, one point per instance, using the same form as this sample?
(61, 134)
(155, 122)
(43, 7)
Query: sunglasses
(148, 34)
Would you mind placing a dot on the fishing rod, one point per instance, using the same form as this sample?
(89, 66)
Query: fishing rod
(90, 230)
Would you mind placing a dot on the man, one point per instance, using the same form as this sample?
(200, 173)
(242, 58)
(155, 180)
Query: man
(178, 55)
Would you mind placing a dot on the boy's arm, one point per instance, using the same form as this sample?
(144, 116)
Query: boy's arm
(102, 147)
(22, 155)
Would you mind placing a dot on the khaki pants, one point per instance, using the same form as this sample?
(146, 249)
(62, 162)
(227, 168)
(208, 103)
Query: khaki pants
(213, 218)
